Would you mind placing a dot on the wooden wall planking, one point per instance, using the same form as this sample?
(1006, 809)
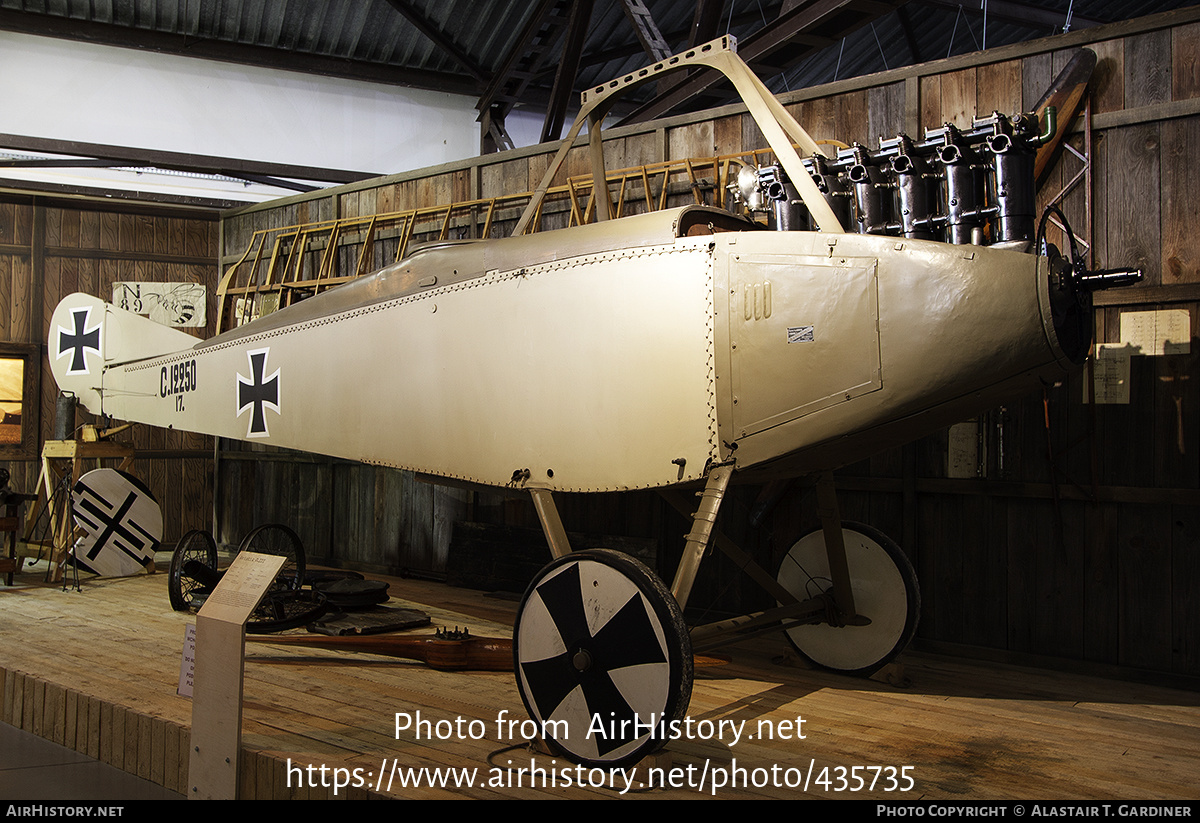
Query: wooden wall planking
(152, 748)
(1180, 208)
(1004, 565)
(50, 248)
(885, 112)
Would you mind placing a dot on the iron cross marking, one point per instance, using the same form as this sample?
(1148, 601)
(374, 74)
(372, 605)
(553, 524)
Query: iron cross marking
(78, 342)
(258, 392)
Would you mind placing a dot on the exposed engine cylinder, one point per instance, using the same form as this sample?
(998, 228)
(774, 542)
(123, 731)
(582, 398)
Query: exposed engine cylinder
(957, 187)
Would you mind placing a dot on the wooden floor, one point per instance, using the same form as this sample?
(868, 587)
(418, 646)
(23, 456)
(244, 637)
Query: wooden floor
(97, 671)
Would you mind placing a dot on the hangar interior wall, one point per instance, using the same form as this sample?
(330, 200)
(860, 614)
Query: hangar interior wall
(148, 100)
(50, 248)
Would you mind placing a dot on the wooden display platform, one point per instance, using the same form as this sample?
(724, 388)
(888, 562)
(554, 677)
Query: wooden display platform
(97, 671)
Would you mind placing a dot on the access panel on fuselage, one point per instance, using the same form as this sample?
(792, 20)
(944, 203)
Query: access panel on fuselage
(804, 334)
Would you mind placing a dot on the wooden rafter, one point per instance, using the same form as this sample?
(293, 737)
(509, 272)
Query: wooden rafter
(705, 22)
(239, 53)
(647, 32)
(107, 155)
(568, 68)
(525, 56)
(1023, 13)
(438, 37)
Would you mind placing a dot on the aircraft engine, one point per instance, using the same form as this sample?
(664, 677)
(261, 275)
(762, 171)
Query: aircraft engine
(955, 186)
(971, 187)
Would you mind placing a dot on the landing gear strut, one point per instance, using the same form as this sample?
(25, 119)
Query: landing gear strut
(885, 592)
(604, 659)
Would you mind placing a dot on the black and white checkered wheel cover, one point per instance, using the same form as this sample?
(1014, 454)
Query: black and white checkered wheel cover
(587, 611)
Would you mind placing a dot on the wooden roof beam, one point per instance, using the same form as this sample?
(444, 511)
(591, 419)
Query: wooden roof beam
(512, 63)
(1016, 12)
(706, 22)
(568, 69)
(646, 30)
(438, 37)
(180, 161)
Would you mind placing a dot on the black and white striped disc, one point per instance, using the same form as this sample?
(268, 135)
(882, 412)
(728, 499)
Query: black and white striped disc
(121, 520)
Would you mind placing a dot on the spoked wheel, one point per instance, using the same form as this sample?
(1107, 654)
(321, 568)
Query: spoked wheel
(283, 610)
(885, 592)
(599, 641)
(183, 584)
(280, 541)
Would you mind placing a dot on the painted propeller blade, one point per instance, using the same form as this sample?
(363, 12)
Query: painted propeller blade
(492, 654)
(1067, 94)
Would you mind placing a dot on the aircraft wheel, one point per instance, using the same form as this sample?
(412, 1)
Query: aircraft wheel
(277, 539)
(283, 610)
(600, 640)
(885, 591)
(196, 546)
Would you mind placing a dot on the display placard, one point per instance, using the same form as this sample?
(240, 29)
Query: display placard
(1159, 332)
(242, 586)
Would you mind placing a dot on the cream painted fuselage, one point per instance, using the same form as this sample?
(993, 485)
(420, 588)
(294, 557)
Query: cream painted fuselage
(631, 353)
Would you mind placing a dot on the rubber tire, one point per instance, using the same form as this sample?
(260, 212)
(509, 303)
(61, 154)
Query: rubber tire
(610, 607)
(283, 610)
(885, 591)
(195, 545)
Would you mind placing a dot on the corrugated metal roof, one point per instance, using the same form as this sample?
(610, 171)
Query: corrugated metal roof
(507, 52)
(348, 36)
(460, 46)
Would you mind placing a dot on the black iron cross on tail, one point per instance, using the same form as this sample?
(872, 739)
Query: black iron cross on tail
(257, 392)
(78, 342)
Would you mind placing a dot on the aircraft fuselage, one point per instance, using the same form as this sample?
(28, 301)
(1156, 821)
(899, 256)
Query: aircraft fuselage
(621, 355)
